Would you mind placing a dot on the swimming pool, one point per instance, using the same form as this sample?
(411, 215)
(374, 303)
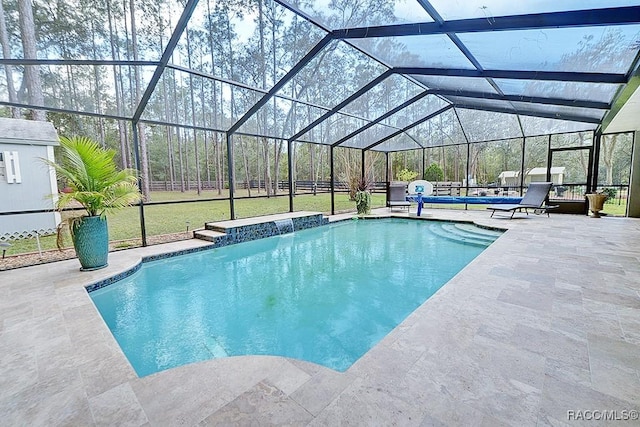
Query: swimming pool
(325, 295)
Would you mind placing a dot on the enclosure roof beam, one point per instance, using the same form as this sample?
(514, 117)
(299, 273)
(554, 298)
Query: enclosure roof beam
(567, 19)
(29, 61)
(283, 81)
(381, 118)
(563, 76)
(242, 85)
(288, 5)
(166, 56)
(216, 78)
(550, 115)
(64, 110)
(480, 95)
(426, 5)
(181, 126)
(357, 94)
(521, 98)
(412, 125)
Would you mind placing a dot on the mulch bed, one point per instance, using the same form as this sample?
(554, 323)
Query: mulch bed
(34, 258)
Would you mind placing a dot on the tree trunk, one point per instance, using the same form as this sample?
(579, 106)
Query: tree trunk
(312, 167)
(294, 167)
(259, 166)
(117, 80)
(263, 68)
(245, 161)
(193, 116)
(267, 166)
(277, 154)
(274, 64)
(185, 144)
(170, 150)
(608, 148)
(8, 69)
(206, 133)
(131, 81)
(180, 160)
(96, 93)
(171, 159)
(71, 84)
(29, 46)
(218, 158)
(142, 138)
(214, 104)
(456, 165)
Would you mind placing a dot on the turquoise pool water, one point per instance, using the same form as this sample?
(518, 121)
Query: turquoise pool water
(325, 295)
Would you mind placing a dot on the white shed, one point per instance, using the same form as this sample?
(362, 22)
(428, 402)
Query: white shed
(512, 178)
(26, 183)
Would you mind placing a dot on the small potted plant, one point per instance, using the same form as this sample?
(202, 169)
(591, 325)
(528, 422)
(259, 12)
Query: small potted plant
(363, 197)
(95, 183)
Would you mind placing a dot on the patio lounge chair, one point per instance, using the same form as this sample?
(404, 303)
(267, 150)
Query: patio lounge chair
(533, 199)
(398, 196)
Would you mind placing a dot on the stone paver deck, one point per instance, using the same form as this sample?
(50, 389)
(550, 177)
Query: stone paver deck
(545, 323)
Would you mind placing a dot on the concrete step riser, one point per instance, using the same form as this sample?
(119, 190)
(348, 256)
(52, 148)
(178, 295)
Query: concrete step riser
(442, 231)
(469, 234)
(478, 231)
(211, 227)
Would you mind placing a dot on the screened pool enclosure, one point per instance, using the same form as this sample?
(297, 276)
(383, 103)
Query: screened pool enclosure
(244, 108)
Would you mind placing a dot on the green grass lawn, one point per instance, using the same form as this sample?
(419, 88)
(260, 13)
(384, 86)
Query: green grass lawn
(615, 207)
(175, 218)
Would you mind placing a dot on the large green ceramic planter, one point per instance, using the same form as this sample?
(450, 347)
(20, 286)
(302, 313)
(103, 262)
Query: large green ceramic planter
(91, 241)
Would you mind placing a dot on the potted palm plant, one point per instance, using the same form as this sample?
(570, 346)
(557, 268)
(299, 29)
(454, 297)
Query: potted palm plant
(363, 196)
(94, 182)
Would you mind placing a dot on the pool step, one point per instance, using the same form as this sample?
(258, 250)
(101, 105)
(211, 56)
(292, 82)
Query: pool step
(478, 230)
(470, 232)
(208, 235)
(438, 230)
(213, 226)
(467, 235)
(215, 348)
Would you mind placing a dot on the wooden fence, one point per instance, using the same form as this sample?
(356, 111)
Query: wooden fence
(300, 185)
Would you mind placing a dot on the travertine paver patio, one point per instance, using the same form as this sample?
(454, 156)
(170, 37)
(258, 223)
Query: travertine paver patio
(544, 322)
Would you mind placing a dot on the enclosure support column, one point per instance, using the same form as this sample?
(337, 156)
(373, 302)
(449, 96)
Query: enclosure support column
(424, 160)
(548, 176)
(386, 176)
(230, 167)
(386, 168)
(136, 153)
(524, 147)
(593, 182)
(331, 184)
(466, 206)
(633, 203)
(362, 168)
(290, 163)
